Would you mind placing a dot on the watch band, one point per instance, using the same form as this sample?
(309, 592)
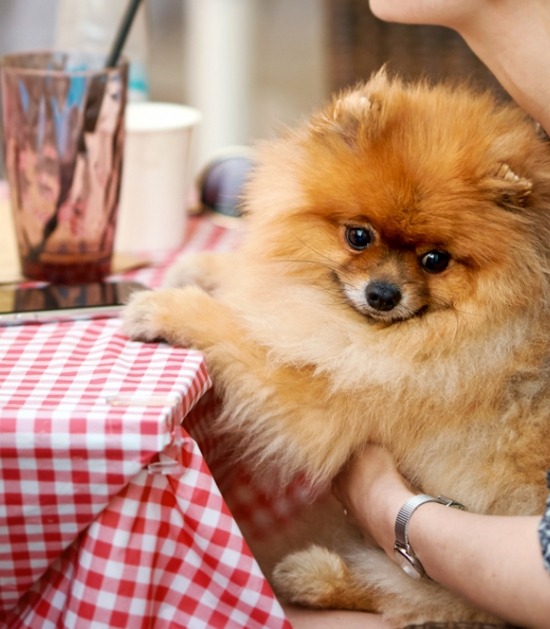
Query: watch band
(403, 551)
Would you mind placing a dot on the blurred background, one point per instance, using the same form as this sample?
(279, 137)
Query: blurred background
(249, 65)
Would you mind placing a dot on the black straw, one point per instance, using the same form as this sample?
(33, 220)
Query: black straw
(122, 34)
(91, 113)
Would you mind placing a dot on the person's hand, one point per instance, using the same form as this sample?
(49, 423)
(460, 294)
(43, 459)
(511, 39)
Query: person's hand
(450, 13)
(511, 38)
(372, 491)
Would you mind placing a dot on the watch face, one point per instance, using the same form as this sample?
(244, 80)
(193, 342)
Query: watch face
(409, 564)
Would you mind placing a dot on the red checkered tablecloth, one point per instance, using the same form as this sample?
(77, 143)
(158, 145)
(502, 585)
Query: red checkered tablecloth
(109, 516)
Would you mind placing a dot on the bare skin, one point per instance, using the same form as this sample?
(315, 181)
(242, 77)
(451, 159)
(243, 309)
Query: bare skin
(312, 619)
(511, 38)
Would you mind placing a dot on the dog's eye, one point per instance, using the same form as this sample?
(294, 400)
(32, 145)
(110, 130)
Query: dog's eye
(435, 261)
(358, 238)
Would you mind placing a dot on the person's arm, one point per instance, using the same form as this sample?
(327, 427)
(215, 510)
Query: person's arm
(302, 618)
(511, 38)
(495, 562)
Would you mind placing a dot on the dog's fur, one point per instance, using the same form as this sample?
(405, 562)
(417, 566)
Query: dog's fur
(446, 366)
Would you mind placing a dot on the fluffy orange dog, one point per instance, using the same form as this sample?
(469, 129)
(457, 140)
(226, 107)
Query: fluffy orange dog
(393, 287)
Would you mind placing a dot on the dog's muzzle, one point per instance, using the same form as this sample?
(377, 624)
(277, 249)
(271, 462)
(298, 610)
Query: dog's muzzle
(382, 296)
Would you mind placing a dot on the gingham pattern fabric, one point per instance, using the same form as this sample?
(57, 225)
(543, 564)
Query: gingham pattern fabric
(259, 503)
(109, 516)
(165, 552)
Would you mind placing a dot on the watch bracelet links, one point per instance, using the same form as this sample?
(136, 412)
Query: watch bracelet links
(404, 516)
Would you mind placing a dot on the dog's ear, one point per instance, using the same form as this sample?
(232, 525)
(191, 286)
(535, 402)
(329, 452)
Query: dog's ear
(511, 190)
(355, 112)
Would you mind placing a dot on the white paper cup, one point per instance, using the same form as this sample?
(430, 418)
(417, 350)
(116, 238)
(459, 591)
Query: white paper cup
(157, 175)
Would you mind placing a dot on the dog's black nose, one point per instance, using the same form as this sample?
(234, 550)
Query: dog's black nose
(383, 296)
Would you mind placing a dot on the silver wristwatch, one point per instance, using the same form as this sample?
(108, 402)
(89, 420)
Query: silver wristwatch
(403, 552)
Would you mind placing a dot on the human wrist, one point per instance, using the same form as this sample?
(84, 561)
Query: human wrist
(405, 548)
(378, 512)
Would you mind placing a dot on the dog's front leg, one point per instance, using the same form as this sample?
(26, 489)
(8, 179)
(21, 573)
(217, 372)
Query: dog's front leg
(282, 412)
(187, 317)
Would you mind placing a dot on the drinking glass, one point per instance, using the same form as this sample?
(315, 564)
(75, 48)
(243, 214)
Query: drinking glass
(63, 140)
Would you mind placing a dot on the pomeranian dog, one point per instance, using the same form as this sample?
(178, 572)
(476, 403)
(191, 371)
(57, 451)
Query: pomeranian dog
(392, 287)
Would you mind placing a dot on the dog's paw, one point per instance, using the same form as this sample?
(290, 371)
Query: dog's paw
(143, 316)
(315, 577)
(187, 317)
(186, 271)
(170, 314)
(202, 269)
